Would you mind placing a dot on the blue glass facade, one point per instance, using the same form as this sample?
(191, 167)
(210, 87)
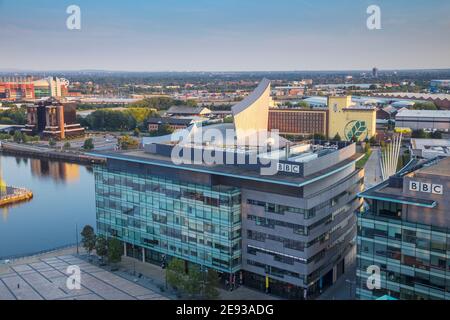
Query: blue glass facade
(197, 223)
(414, 259)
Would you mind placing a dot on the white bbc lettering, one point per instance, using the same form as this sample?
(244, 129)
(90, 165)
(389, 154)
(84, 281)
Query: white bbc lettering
(283, 167)
(280, 167)
(413, 186)
(437, 189)
(426, 187)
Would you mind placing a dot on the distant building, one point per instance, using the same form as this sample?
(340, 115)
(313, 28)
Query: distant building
(404, 235)
(423, 119)
(437, 86)
(430, 148)
(25, 88)
(386, 114)
(375, 72)
(53, 119)
(441, 100)
(298, 121)
(154, 124)
(341, 116)
(176, 111)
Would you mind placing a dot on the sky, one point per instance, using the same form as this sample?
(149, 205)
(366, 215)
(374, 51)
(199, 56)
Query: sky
(224, 35)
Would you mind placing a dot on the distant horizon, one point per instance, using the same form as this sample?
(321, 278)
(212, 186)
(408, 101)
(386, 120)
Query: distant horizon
(13, 70)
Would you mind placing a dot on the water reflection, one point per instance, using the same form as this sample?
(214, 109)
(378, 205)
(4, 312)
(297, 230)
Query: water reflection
(58, 171)
(63, 197)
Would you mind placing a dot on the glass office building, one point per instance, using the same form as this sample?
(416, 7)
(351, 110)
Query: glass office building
(158, 216)
(404, 231)
(291, 234)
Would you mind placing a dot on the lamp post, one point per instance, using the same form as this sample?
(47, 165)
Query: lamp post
(76, 234)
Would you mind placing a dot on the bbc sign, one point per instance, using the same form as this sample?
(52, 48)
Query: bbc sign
(426, 187)
(291, 168)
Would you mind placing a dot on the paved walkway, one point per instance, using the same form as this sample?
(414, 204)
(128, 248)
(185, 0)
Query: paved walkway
(45, 279)
(372, 175)
(156, 275)
(344, 287)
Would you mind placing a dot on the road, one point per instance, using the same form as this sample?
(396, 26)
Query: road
(101, 142)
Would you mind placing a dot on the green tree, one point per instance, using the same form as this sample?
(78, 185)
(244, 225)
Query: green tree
(228, 119)
(51, 142)
(175, 274)
(101, 247)
(421, 134)
(88, 238)
(436, 135)
(25, 138)
(192, 281)
(13, 115)
(319, 136)
(303, 105)
(126, 142)
(367, 147)
(115, 250)
(136, 132)
(110, 120)
(164, 129)
(424, 105)
(337, 137)
(17, 136)
(5, 136)
(66, 145)
(88, 144)
(212, 283)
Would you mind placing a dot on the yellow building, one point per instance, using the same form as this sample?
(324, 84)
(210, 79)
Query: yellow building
(349, 120)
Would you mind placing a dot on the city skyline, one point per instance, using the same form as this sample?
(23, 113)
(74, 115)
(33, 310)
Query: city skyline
(223, 36)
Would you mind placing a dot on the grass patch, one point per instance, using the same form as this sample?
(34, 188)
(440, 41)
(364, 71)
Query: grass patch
(362, 162)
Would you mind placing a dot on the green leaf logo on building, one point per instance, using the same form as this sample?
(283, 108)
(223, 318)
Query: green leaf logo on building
(357, 129)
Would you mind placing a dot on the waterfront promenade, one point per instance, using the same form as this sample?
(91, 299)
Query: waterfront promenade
(45, 278)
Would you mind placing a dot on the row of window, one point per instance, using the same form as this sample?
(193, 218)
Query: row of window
(271, 270)
(287, 243)
(281, 209)
(425, 240)
(405, 255)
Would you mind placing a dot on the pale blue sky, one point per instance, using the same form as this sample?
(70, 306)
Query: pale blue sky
(224, 35)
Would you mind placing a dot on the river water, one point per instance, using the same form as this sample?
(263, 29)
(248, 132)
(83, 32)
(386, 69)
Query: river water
(63, 198)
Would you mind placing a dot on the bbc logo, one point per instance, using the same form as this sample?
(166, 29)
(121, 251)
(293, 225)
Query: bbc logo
(288, 168)
(426, 187)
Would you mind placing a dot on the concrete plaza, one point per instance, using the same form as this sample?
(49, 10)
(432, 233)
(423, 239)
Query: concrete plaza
(45, 279)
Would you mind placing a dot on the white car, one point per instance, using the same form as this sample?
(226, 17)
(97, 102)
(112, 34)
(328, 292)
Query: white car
(6, 261)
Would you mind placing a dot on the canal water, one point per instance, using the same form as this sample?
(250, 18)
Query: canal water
(63, 198)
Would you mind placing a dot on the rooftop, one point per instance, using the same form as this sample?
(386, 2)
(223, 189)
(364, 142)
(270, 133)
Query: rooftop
(424, 113)
(168, 120)
(187, 110)
(441, 168)
(391, 190)
(235, 171)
